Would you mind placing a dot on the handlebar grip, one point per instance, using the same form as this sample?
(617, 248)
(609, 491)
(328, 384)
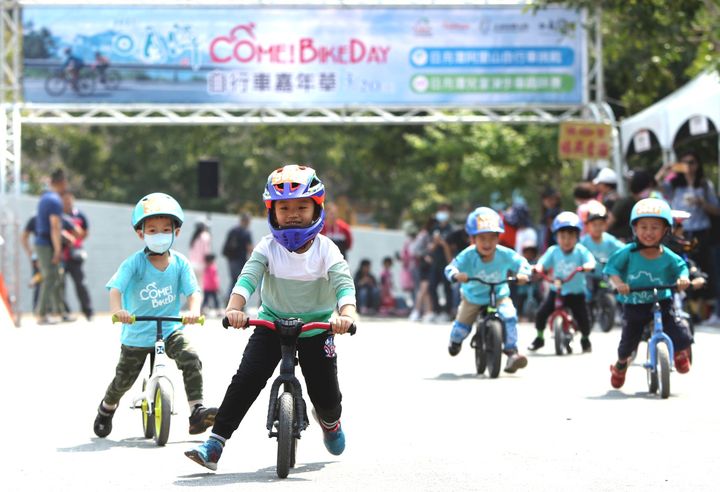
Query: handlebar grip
(115, 319)
(225, 322)
(200, 321)
(353, 329)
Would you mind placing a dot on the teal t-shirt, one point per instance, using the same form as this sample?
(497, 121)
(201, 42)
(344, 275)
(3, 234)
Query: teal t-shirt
(469, 261)
(603, 250)
(147, 291)
(637, 271)
(563, 264)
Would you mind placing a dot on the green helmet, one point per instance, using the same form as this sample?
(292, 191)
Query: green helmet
(156, 204)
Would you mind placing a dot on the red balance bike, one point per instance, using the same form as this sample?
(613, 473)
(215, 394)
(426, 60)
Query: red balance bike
(561, 321)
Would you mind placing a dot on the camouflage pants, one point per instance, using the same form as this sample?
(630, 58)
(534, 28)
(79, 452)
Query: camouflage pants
(132, 360)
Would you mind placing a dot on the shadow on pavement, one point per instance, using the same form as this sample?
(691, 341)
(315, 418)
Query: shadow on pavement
(264, 475)
(100, 444)
(619, 395)
(447, 376)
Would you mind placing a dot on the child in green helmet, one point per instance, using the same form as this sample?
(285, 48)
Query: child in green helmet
(150, 282)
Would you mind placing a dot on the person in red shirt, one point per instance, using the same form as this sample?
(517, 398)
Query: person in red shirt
(210, 284)
(336, 229)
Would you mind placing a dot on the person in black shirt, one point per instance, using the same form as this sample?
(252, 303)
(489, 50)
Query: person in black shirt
(238, 246)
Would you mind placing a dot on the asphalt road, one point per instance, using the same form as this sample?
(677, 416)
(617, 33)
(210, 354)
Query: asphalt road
(415, 419)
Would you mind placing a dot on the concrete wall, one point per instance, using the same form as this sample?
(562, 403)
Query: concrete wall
(111, 240)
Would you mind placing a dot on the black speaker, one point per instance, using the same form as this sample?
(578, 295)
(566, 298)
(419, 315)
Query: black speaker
(208, 178)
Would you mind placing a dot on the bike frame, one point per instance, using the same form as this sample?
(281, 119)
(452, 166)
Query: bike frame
(491, 310)
(658, 335)
(568, 320)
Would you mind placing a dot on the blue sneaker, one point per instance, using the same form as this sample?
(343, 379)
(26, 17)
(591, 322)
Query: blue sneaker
(207, 454)
(334, 440)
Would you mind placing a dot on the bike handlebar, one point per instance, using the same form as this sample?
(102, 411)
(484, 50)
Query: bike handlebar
(564, 280)
(201, 319)
(654, 287)
(508, 280)
(270, 325)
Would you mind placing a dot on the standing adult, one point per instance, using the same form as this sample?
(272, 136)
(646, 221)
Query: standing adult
(48, 247)
(441, 256)
(687, 189)
(606, 186)
(36, 278)
(74, 253)
(237, 248)
(337, 229)
(641, 186)
(550, 207)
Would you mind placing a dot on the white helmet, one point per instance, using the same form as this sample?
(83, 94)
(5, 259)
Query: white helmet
(606, 176)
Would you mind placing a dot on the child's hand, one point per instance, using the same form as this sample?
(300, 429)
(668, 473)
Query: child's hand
(461, 277)
(190, 317)
(236, 318)
(622, 288)
(522, 279)
(589, 267)
(341, 324)
(683, 283)
(123, 316)
(698, 283)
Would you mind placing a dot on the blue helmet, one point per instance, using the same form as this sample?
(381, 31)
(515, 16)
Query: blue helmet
(566, 220)
(483, 219)
(292, 182)
(156, 204)
(651, 207)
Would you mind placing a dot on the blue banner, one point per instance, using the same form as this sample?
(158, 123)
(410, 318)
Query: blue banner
(304, 57)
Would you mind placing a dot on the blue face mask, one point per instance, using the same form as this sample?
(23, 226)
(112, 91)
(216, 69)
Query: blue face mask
(159, 243)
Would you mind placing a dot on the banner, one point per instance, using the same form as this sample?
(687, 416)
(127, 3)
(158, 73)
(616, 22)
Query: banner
(580, 140)
(304, 57)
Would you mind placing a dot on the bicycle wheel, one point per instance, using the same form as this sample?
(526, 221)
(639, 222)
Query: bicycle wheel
(147, 420)
(663, 355)
(478, 343)
(606, 314)
(558, 333)
(652, 375)
(85, 84)
(286, 406)
(162, 413)
(55, 84)
(112, 79)
(493, 347)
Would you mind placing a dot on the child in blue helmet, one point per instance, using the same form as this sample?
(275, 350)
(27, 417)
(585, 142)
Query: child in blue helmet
(644, 263)
(485, 259)
(150, 283)
(563, 258)
(599, 242)
(303, 275)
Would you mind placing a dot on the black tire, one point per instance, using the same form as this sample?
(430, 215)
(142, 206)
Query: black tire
(162, 413)
(559, 335)
(286, 408)
(663, 356)
(606, 312)
(493, 347)
(112, 79)
(148, 421)
(652, 375)
(478, 343)
(55, 84)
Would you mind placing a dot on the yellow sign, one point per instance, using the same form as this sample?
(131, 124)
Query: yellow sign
(580, 140)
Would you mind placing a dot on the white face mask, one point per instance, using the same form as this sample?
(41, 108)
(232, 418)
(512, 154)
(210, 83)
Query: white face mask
(442, 216)
(159, 243)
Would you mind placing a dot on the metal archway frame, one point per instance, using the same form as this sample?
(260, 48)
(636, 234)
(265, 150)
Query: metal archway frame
(15, 113)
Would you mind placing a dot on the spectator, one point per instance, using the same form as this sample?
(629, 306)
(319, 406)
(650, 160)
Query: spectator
(685, 187)
(420, 249)
(550, 207)
(200, 246)
(389, 304)
(366, 287)
(441, 255)
(74, 253)
(337, 229)
(35, 267)
(606, 185)
(641, 185)
(408, 271)
(48, 247)
(238, 247)
(210, 284)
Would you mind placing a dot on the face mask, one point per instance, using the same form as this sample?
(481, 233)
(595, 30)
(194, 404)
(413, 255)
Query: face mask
(159, 243)
(442, 216)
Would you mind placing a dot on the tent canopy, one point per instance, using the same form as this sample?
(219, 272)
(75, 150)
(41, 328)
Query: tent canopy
(699, 97)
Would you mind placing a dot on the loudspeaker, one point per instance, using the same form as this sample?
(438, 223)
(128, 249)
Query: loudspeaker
(208, 178)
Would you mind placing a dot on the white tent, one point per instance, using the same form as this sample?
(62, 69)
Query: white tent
(698, 100)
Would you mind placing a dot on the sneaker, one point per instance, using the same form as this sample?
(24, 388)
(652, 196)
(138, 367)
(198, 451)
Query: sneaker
(617, 378)
(428, 317)
(536, 344)
(586, 345)
(454, 348)
(442, 318)
(103, 421)
(202, 418)
(207, 454)
(713, 321)
(515, 361)
(682, 361)
(334, 439)
(414, 316)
